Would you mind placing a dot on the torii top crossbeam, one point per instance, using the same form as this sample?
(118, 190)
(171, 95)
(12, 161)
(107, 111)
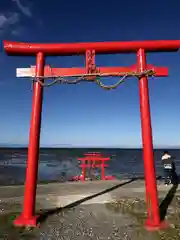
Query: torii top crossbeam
(18, 48)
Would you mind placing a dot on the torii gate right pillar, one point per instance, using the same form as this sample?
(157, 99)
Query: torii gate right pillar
(153, 219)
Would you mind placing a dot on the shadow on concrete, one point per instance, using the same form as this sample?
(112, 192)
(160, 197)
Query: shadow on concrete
(44, 215)
(168, 199)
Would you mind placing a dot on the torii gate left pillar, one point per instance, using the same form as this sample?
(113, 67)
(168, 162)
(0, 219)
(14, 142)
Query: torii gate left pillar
(28, 217)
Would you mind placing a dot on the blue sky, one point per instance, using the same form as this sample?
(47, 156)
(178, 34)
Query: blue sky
(85, 114)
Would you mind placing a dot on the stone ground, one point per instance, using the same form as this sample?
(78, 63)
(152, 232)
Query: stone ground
(109, 210)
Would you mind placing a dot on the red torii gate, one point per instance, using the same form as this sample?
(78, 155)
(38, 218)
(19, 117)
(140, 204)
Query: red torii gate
(91, 160)
(28, 217)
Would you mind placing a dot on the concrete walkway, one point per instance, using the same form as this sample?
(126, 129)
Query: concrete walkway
(85, 217)
(62, 194)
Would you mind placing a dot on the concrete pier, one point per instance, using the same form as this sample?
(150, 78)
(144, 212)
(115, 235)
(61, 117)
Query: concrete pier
(88, 211)
(62, 194)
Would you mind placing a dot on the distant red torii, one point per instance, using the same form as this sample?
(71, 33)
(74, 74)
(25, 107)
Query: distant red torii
(94, 160)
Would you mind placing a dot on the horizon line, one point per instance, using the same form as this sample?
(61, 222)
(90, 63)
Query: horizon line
(11, 145)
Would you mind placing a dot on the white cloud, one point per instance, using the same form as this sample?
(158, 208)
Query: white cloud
(3, 19)
(16, 32)
(10, 22)
(25, 10)
(6, 22)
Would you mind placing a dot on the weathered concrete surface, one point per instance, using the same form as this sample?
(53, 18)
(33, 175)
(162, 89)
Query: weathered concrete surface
(88, 222)
(62, 194)
(84, 220)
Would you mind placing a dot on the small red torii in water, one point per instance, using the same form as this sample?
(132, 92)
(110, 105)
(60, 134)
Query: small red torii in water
(94, 160)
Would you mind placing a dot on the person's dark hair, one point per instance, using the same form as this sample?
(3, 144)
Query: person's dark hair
(165, 152)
